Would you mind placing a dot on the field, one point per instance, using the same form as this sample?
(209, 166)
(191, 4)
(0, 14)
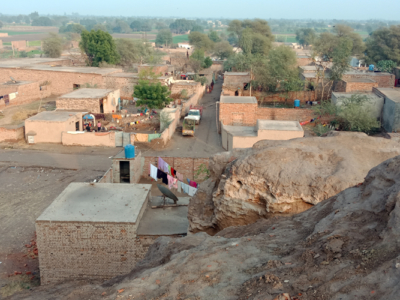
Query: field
(180, 39)
(286, 38)
(10, 32)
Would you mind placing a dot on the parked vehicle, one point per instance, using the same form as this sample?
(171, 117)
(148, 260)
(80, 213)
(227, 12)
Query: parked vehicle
(188, 127)
(195, 114)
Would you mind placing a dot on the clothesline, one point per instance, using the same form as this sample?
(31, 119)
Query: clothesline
(8, 97)
(167, 174)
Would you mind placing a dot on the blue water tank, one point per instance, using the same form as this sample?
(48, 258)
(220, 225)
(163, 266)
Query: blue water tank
(129, 151)
(371, 68)
(296, 103)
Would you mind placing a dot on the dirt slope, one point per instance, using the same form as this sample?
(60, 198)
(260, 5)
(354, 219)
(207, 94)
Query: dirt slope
(284, 177)
(345, 247)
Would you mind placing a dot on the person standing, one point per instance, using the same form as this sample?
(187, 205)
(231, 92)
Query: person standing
(98, 126)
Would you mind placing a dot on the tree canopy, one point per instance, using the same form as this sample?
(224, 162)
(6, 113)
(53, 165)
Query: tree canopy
(306, 36)
(42, 21)
(77, 28)
(53, 45)
(384, 44)
(181, 26)
(213, 35)
(223, 50)
(164, 37)
(150, 93)
(344, 31)
(136, 51)
(386, 65)
(99, 46)
(201, 41)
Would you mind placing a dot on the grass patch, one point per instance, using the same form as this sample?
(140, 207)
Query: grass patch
(18, 32)
(180, 39)
(285, 38)
(35, 43)
(17, 284)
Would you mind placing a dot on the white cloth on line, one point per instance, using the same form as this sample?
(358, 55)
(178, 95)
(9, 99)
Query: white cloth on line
(153, 172)
(192, 191)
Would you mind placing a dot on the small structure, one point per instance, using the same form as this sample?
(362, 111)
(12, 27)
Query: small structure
(90, 232)
(246, 136)
(92, 100)
(355, 85)
(127, 170)
(237, 111)
(184, 45)
(235, 83)
(375, 103)
(391, 108)
(47, 126)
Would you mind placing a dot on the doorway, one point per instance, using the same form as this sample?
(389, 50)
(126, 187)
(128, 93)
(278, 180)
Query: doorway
(124, 172)
(101, 106)
(237, 93)
(77, 126)
(76, 86)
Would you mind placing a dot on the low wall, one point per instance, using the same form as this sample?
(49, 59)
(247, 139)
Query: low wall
(12, 134)
(284, 114)
(27, 92)
(188, 166)
(168, 132)
(107, 177)
(193, 100)
(104, 139)
(288, 98)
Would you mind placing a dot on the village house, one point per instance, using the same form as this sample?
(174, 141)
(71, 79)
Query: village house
(235, 83)
(91, 100)
(391, 108)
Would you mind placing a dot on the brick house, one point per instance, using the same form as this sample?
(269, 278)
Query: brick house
(235, 83)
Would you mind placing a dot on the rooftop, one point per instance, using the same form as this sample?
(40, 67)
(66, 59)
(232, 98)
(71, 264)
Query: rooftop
(167, 221)
(87, 93)
(392, 93)
(53, 116)
(241, 130)
(279, 125)
(100, 202)
(362, 72)
(236, 74)
(370, 95)
(236, 99)
(186, 82)
(132, 75)
(359, 80)
(310, 68)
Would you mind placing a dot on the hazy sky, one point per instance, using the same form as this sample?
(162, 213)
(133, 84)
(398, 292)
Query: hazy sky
(276, 9)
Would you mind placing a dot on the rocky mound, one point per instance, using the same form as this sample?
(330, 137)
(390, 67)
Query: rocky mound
(346, 247)
(284, 177)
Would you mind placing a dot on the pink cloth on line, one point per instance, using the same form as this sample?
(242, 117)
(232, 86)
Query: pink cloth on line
(179, 176)
(175, 183)
(193, 184)
(170, 181)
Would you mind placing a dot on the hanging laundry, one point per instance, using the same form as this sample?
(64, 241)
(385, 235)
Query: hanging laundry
(188, 180)
(153, 172)
(179, 176)
(193, 184)
(162, 176)
(169, 170)
(162, 165)
(1, 97)
(192, 191)
(179, 187)
(170, 181)
(12, 96)
(175, 182)
(185, 188)
(172, 172)
(6, 100)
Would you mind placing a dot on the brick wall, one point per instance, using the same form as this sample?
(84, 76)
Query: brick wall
(18, 45)
(228, 111)
(136, 166)
(383, 79)
(156, 69)
(5, 34)
(93, 139)
(354, 86)
(188, 166)
(304, 61)
(193, 100)
(90, 105)
(27, 92)
(238, 80)
(12, 134)
(284, 114)
(288, 98)
(180, 85)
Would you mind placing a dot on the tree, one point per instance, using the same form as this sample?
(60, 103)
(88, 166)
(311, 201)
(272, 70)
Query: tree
(42, 21)
(121, 27)
(207, 62)
(197, 28)
(53, 45)
(200, 41)
(101, 27)
(147, 26)
(181, 26)
(160, 25)
(343, 31)
(164, 37)
(1, 24)
(135, 51)
(77, 28)
(223, 50)
(150, 93)
(136, 25)
(254, 42)
(88, 23)
(99, 46)
(33, 15)
(213, 35)
(386, 66)
(384, 44)
(306, 36)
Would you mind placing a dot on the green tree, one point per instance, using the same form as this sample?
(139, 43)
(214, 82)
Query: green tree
(207, 62)
(77, 28)
(121, 27)
(42, 21)
(213, 35)
(386, 66)
(306, 36)
(136, 51)
(136, 25)
(160, 25)
(201, 41)
(99, 46)
(88, 23)
(384, 44)
(344, 31)
(164, 37)
(223, 50)
(101, 27)
(198, 28)
(181, 26)
(150, 93)
(53, 45)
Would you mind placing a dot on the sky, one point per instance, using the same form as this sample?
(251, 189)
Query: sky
(229, 9)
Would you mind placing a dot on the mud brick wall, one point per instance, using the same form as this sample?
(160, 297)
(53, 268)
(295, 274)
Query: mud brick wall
(27, 92)
(353, 86)
(12, 134)
(59, 82)
(227, 113)
(288, 98)
(124, 84)
(83, 250)
(188, 166)
(156, 69)
(304, 61)
(284, 114)
(191, 89)
(90, 105)
(383, 79)
(236, 80)
(18, 45)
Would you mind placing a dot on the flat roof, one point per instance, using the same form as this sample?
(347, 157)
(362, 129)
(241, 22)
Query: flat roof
(370, 95)
(166, 221)
(87, 93)
(236, 73)
(279, 125)
(241, 130)
(237, 99)
(132, 75)
(98, 202)
(392, 93)
(37, 64)
(21, 82)
(54, 116)
(310, 68)
(185, 82)
(359, 80)
(354, 72)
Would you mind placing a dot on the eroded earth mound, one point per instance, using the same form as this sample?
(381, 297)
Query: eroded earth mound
(346, 247)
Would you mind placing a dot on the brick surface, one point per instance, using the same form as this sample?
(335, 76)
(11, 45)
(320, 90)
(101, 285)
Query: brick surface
(12, 134)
